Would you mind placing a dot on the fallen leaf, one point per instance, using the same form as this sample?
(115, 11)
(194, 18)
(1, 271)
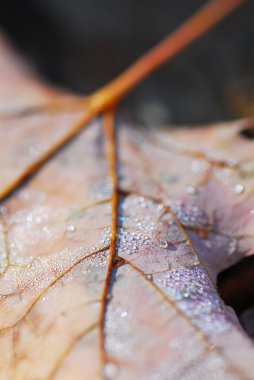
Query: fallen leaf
(110, 252)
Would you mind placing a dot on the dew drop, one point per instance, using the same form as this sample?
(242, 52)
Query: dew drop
(163, 244)
(33, 151)
(238, 188)
(70, 228)
(189, 189)
(252, 212)
(196, 260)
(208, 244)
(110, 370)
(232, 247)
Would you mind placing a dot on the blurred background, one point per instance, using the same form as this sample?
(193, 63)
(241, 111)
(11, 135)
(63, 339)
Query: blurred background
(83, 44)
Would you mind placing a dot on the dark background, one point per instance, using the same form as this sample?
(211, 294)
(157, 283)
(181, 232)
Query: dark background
(82, 44)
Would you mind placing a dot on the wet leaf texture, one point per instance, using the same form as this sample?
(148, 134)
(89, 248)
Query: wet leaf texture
(109, 252)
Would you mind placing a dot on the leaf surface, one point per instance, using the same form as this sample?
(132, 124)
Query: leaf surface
(110, 252)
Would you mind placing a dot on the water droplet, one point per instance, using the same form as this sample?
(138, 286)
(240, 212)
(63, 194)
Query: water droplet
(124, 314)
(238, 188)
(196, 260)
(33, 151)
(70, 228)
(160, 207)
(252, 212)
(189, 189)
(163, 244)
(208, 244)
(110, 370)
(232, 247)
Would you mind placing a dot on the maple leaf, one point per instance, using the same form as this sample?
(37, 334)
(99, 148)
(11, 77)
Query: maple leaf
(110, 252)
